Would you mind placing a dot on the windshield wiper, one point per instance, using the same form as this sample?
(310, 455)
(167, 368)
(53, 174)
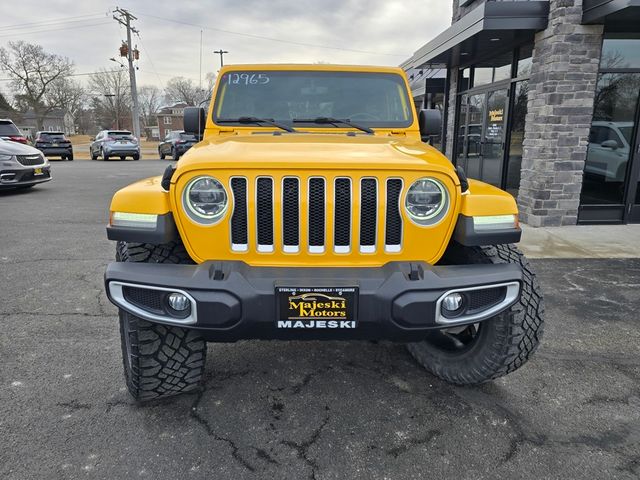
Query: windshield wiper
(333, 121)
(268, 121)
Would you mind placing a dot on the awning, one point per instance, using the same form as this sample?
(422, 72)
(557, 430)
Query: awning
(490, 26)
(612, 12)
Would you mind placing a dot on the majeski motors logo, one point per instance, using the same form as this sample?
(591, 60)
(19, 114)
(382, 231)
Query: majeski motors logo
(316, 310)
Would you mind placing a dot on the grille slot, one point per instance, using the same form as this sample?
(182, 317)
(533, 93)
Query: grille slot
(30, 160)
(264, 212)
(144, 298)
(368, 214)
(290, 214)
(239, 224)
(316, 215)
(485, 298)
(393, 227)
(342, 215)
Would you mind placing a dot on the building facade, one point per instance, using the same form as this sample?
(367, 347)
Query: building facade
(541, 98)
(170, 119)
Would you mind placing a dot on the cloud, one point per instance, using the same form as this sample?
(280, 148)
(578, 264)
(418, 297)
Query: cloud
(388, 31)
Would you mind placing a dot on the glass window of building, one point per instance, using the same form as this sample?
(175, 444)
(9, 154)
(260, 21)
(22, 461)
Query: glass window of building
(620, 53)
(525, 55)
(610, 139)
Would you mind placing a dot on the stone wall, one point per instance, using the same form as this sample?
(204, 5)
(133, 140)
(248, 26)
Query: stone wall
(560, 107)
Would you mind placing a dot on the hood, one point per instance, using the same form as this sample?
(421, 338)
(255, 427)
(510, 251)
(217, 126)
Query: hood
(8, 147)
(314, 151)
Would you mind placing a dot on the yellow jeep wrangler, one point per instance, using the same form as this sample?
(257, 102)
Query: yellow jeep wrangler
(313, 209)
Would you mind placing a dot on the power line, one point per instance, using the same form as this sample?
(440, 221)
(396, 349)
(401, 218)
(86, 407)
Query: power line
(55, 29)
(72, 75)
(52, 21)
(260, 37)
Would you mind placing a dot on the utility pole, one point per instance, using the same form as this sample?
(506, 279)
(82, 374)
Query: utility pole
(221, 52)
(123, 17)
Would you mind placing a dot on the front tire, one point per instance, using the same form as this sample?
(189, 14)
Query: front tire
(175, 156)
(161, 154)
(136, 156)
(159, 360)
(494, 347)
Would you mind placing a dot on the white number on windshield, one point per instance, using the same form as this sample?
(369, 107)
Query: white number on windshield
(247, 79)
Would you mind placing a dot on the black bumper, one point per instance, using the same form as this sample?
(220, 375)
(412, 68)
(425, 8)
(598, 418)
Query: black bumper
(233, 301)
(56, 151)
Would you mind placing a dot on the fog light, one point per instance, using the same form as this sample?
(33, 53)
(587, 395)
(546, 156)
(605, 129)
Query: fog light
(178, 302)
(452, 302)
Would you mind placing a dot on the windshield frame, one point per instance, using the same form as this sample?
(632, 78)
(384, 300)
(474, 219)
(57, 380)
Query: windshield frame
(259, 69)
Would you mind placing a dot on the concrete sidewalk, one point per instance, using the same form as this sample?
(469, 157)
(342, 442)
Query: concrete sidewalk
(582, 241)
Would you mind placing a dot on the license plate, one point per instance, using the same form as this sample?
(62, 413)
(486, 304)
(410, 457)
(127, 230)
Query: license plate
(54, 144)
(123, 142)
(38, 171)
(316, 307)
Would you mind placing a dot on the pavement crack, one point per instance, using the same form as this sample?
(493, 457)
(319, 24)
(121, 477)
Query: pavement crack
(204, 423)
(297, 388)
(302, 449)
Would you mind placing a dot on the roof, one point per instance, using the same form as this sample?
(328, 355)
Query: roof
(489, 27)
(322, 67)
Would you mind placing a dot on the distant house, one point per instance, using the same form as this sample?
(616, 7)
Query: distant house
(56, 120)
(170, 119)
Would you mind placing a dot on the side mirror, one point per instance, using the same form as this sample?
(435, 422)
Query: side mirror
(194, 120)
(430, 121)
(612, 144)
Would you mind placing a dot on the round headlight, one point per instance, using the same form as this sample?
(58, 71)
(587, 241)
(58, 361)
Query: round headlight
(205, 200)
(426, 201)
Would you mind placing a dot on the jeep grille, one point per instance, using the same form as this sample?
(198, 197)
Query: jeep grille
(379, 201)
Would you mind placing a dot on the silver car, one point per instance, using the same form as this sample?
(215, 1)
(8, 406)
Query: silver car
(22, 166)
(115, 143)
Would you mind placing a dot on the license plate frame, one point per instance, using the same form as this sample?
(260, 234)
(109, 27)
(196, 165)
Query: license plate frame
(38, 171)
(317, 307)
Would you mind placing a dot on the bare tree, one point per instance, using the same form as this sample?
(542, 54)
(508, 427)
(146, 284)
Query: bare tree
(180, 89)
(111, 97)
(71, 97)
(150, 99)
(33, 71)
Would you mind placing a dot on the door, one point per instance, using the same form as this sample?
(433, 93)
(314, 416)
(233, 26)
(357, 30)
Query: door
(482, 135)
(612, 168)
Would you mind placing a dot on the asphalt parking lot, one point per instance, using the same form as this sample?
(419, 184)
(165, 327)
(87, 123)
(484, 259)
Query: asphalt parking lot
(293, 410)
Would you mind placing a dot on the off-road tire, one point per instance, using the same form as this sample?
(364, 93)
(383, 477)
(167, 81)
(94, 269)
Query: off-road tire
(505, 342)
(159, 360)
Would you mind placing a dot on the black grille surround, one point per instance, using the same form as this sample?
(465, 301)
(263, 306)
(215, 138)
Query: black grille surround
(239, 226)
(30, 160)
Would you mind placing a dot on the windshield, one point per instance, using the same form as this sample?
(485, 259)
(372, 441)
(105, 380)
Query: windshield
(121, 135)
(7, 128)
(626, 131)
(51, 136)
(370, 99)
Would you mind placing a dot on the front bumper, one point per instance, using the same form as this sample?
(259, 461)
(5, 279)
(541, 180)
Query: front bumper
(23, 176)
(232, 301)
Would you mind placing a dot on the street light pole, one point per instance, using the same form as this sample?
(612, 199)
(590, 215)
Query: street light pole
(221, 53)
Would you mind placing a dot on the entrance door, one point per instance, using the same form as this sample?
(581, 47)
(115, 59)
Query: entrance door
(610, 190)
(482, 133)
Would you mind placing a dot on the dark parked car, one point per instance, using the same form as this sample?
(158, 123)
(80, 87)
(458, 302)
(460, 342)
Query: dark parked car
(176, 144)
(22, 166)
(115, 143)
(9, 131)
(54, 144)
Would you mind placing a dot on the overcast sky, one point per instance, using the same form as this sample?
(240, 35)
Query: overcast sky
(384, 32)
